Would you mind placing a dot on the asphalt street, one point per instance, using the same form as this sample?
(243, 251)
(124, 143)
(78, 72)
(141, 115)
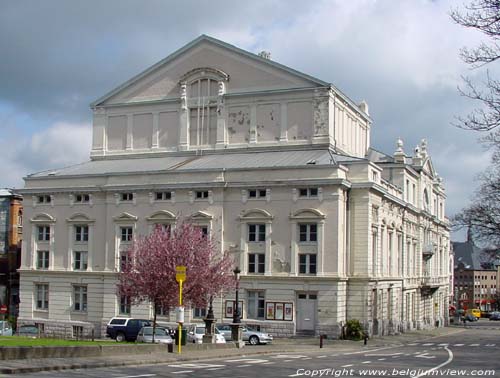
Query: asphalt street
(468, 351)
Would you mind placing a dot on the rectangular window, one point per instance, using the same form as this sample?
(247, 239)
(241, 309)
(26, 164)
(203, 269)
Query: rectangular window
(82, 198)
(308, 192)
(77, 332)
(123, 259)
(127, 197)
(124, 305)
(80, 298)
(80, 260)
(201, 194)
(256, 305)
(256, 232)
(43, 199)
(126, 234)
(203, 229)
(163, 196)
(308, 232)
(161, 311)
(43, 233)
(256, 262)
(42, 297)
(81, 233)
(307, 263)
(257, 193)
(199, 312)
(42, 260)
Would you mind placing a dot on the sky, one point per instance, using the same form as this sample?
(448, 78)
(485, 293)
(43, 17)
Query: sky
(400, 56)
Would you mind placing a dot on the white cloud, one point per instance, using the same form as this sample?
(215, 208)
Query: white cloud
(59, 145)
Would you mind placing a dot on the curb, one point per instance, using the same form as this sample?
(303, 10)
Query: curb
(391, 341)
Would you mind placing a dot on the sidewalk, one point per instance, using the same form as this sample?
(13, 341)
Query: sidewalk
(294, 345)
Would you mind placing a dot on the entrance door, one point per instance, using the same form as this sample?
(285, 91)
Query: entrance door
(307, 309)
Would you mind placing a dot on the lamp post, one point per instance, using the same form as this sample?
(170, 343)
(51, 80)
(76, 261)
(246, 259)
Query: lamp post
(236, 310)
(236, 327)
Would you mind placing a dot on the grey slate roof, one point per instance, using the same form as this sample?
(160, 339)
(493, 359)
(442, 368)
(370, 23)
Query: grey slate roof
(242, 160)
(471, 256)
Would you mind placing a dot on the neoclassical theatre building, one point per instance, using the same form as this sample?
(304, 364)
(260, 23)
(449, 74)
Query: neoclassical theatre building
(277, 167)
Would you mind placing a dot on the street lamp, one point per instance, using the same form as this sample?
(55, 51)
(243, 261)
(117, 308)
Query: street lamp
(236, 310)
(236, 327)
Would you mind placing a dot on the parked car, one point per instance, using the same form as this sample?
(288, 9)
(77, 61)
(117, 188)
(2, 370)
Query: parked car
(248, 334)
(196, 331)
(495, 315)
(162, 336)
(125, 329)
(5, 328)
(28, 330)
(470, 318)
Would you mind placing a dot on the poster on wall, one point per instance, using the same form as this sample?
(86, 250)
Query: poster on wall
(270, 310)
(229, 309)
(288, 311)
(278, 314)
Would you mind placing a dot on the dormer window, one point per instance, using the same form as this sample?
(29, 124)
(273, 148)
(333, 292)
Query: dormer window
(127, 197)
(82, 198)
(257, 193)
(43, 199)
(163, 196)
(308, 192)
(201, 194)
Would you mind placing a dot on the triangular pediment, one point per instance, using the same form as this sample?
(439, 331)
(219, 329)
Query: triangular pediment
(125, 217)
(201, 216)
(162, 215)
(246, 72)
(428, 168)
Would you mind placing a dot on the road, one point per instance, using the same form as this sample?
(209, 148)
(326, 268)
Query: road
(470, 351)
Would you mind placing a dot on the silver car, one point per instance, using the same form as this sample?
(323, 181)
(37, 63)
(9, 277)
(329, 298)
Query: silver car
(5, 328)
(145, 335)
(248, 334)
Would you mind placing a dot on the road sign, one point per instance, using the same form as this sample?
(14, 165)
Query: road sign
(3, 309)
(180, 273)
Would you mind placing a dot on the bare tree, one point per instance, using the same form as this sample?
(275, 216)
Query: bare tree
(484, 16)
(483, 215)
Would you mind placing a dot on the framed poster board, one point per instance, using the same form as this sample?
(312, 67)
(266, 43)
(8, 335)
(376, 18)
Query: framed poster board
(270, 310)
(228, 313)
(229, 307)
(278, 311)
(288, 311)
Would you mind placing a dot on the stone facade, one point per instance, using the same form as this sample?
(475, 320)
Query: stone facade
(277, 167)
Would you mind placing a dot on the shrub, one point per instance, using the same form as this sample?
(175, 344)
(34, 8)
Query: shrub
(354, 330)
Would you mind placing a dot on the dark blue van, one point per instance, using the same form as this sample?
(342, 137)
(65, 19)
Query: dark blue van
(125, 329)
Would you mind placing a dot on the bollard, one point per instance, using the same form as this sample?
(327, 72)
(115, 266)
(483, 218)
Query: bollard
(365, 339)
(321, 341)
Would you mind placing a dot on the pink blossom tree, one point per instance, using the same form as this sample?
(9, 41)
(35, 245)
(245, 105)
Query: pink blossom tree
(148, 274)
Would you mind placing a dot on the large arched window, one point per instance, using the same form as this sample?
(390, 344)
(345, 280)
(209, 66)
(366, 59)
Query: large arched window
(202, 89)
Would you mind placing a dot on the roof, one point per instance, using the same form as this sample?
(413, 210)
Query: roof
(227, 160)
(471, 256)
(237, 50)
(8, 193)
(378, 157)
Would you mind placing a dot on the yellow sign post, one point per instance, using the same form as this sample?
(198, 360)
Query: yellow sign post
(180, 277)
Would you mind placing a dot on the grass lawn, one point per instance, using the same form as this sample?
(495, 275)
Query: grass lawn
(27, 341)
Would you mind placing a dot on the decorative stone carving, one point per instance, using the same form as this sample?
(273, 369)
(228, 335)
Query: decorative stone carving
(183, 96)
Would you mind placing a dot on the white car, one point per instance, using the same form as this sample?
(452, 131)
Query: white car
(196, 331)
